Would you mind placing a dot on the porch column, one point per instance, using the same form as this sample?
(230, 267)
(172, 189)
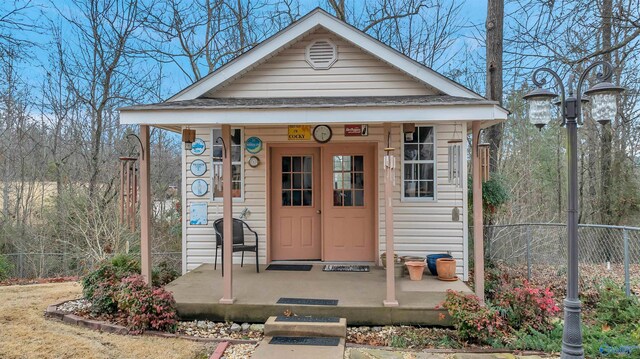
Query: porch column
(227, 214)
(389, 178)
(478, 235)
(145, 204)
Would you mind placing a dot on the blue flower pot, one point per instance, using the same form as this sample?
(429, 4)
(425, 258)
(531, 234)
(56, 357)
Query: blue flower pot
(431, 261)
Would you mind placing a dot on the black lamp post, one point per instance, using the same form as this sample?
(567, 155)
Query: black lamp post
(603, 109)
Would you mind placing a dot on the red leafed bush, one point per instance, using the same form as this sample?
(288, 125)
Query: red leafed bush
(527, 306)
(473, 322)
(143, 307)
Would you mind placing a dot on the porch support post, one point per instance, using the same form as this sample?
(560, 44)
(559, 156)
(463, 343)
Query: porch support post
(227, 215)
(145, 204)
(478, 235)
(389, 165)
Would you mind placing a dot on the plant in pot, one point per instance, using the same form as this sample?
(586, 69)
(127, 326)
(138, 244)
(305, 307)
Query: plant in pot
(416, 269)
(446, 268)
(383, 259)
(431, 261)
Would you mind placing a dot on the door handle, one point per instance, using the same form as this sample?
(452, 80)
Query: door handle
(318, 211)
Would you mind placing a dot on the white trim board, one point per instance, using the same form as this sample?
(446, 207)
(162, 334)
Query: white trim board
(242, 117)
(320, 18)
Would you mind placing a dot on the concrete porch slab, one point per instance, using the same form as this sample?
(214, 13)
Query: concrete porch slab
(359, 295)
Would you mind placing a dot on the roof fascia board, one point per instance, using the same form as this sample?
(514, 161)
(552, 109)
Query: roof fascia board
(313, 115)
(294, 31)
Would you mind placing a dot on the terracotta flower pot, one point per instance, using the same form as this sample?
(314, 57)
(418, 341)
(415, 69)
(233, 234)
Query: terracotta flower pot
(383, 259)
(446, 268)
(416, 269)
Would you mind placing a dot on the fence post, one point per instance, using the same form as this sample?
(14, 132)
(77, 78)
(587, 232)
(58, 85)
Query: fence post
(20, 266)
(627, 279)
(529, 252)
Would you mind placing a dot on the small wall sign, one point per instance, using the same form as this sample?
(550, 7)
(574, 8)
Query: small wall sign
(198, 146)
(356, 130)
(198, 167)
(253, 145)
(299, 133)
(199, 187)
(198, 213)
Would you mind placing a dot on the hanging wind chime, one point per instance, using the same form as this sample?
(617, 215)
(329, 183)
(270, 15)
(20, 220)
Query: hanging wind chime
(128, 191)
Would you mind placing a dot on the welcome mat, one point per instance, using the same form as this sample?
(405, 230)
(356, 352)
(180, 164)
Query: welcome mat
(317, 341)
(345, 268)
(307, 301)
(290, 267)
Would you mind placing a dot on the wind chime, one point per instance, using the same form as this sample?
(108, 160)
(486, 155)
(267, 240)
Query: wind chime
(128, 191)
(455, 168)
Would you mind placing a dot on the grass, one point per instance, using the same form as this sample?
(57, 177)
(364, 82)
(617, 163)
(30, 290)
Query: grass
(26, 334)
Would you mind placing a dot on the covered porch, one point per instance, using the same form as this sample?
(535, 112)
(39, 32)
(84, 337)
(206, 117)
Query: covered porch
(359, 295)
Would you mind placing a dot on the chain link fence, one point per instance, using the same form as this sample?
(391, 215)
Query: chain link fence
(48, 265)
(538, 246)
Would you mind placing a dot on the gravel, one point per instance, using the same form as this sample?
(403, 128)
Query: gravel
(239, 351)
(209, 329)
(73, 306)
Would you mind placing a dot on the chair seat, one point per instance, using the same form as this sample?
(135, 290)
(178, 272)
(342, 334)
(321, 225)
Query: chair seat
(243, 247)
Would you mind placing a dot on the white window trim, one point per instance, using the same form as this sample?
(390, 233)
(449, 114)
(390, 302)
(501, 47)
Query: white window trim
(435, 168)
(241, 163)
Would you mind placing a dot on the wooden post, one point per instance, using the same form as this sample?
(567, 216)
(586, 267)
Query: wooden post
(227, 214)
(145, 204)
(478, 235)
(389, 173)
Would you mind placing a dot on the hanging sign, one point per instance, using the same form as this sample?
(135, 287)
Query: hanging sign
(356, 130)
(198, 213)
(299, 133)
(198, 146)
(198, 167)
(253, 145)
(199, 187)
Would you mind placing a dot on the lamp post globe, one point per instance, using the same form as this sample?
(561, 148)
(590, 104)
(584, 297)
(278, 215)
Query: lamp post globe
(539, 101)
(603, 97)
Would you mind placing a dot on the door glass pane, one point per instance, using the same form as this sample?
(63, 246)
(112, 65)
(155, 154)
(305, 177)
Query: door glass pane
(297, 164)
(307, 181)
(297, 175)
(306, 198)
(286, 180)
(297, 181)
(297, 198)
(286, 164)
(286, 198)
(348, 181)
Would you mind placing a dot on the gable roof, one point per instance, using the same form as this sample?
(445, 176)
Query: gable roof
(311, 21)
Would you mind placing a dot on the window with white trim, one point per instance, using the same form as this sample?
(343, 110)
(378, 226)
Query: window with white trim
(418, 174)
(237, 173)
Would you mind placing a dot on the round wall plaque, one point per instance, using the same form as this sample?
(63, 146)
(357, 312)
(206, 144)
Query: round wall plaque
(253, 145)
(254, 161)
(198, 146)
(198, 167)
(199, 187)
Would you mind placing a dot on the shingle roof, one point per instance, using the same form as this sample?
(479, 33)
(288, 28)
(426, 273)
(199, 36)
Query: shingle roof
(309, 102)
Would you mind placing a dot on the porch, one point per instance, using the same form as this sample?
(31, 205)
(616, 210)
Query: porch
(360, 295)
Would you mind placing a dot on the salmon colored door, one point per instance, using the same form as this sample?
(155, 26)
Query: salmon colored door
(348, 202)
(295, 204)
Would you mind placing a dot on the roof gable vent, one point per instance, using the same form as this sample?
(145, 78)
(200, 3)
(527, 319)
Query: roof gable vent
(321, 54)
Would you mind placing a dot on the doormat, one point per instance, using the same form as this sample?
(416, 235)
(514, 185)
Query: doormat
(317, 341)
(345, 268)
(307, 301)
(290, 267)
(306, 319)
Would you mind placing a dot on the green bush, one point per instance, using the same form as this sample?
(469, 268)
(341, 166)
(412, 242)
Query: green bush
(5, 268)
(164, 274)
(615, 308)
(144, 307)
(100, 286)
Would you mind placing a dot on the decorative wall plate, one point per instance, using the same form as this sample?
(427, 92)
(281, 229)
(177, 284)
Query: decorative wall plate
(199, 187)
(198, 167)
(254, 161)
(253, 145)
(198, 146)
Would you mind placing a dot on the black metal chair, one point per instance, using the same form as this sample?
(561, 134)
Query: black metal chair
(238, 241)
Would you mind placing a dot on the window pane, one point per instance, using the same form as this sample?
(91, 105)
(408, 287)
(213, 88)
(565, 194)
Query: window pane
(217, 153)
(346, 163)
(297, 164)
(358, 199)
(346, 180)
(236, 137)
(337, 180)
(306, 198)
(337, 198)
(347, 201)
(411, 152)
(425, 134)
(408, 174)
(308, 165)
(337, 163)
(286, 180)
(307, 180)
(236, 172)
(426, 152)
(410, 189)
(236, 189)
(358, 180)
(297, 181)
(426, 189)
(426, 171)
(286, 198)
(358, 163)
(413, 138)
(236, 153)
(297, 198)
(286, 164)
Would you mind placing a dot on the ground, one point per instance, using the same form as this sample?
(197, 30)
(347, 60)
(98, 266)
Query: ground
(27, 334)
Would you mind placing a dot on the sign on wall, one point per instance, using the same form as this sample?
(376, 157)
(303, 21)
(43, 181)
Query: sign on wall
(253, 145)
(356, 130)
(299, 132)
(198, 213)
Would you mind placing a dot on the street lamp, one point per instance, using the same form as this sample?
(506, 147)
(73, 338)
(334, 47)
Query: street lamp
(602, 97)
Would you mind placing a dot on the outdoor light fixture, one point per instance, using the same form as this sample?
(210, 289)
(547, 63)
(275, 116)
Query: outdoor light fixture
(602, 100)
(188, 137)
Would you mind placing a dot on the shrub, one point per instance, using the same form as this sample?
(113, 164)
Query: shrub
(526, 306)
(5, 268)
(164, 274)
(615, 308)
(100, 286)
(481, 324)
(143, 307)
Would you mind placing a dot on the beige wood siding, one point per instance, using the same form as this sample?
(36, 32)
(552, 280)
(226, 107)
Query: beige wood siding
(420, 227)
(356, 73)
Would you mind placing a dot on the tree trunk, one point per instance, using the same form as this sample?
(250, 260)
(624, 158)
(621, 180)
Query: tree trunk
(494, 27)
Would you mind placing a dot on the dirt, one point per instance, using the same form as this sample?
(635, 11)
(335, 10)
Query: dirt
(25, 333)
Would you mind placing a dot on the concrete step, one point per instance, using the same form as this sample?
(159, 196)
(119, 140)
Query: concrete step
(265, 350)
(306, 326)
